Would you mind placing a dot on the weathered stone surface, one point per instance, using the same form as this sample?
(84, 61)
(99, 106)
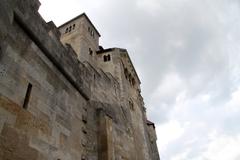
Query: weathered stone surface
(81, 105)
(15, 145)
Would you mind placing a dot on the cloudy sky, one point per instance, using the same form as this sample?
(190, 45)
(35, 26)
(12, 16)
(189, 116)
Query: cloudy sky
(187, 54)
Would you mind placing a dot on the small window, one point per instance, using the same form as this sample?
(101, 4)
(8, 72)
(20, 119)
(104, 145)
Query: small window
(27, 96)
(70, 28)
(133, 82)
(106, 58)
(90, 51)
(73, 26)
(131, 105)
(66, 30)
(126, 73)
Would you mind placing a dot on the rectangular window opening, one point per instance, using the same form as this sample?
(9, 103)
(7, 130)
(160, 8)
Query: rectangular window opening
(27, 96)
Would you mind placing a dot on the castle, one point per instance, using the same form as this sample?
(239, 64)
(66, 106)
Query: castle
(64, 97)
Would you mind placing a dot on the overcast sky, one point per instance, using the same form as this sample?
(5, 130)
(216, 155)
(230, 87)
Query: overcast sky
(187, 55)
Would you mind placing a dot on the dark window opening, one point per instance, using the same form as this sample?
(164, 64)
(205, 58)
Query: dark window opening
(27, 96)
(131, 105)
(126, 73)
(130, 78)
(73, 26)
(106, 58)
(66, 30)
(133, 82)
(84, 119)
(70, 28)
(84, 130)
(90, 51)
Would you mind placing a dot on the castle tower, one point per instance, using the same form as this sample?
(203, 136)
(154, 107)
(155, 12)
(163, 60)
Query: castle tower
(117, 62)
(81, 34)
(83, 37)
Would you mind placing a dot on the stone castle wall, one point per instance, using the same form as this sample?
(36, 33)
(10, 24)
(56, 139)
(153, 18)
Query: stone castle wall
(54, 107)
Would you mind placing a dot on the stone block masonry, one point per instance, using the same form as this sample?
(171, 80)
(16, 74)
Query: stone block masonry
(57, 103)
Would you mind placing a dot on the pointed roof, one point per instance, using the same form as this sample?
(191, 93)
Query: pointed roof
(77, 17)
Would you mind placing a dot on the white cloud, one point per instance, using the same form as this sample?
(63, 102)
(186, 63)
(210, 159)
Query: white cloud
(168, 132)
(169, 86)
(150, 6)
(234, 103)
(180, 156)
(223, 148)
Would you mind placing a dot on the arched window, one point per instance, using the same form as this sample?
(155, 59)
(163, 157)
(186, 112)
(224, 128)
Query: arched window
(106, 58)
(66, 30)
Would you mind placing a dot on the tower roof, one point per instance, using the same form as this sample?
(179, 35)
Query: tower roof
(77, 17)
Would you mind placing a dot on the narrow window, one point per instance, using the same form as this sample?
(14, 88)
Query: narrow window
(27, 96)
(131, 105)
(104, 58)
(129, 78)
(108, 58)
(70, 28)
(90, 51)
(133, 81)
(126, 72)
(73, 26)
(66, 30)
(84, 119)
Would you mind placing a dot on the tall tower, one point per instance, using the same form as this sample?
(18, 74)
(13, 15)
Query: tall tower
(81, 34)
(83, 37)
